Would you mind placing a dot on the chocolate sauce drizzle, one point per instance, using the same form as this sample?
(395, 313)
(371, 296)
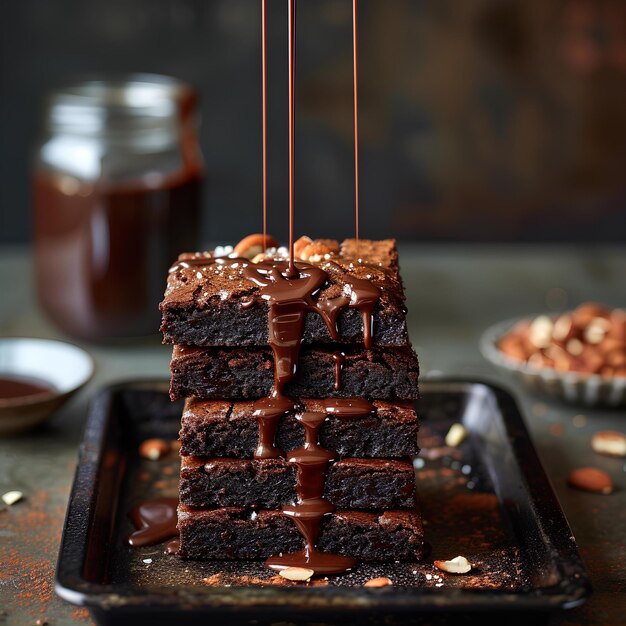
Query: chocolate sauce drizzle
(355, 80)
(312, 461)
(292, 291)
(292, 121)
(339, 358)
(264, 112)
(359, 293)
(290, 298)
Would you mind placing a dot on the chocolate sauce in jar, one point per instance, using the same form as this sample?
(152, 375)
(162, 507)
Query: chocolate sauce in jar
(102, 252)
(117, 192)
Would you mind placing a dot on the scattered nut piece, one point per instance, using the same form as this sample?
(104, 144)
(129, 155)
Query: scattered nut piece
(575, 347)
(41, 622)
(300, 574)
(596, 330)
(11, 497)
(591, 360)
(458, 565)
(556, 430)
(300, 245)
(591, 479)
(618, 325)
(539, 360)
(609, 442)
(616, 358)
(383, 581)
(513, 346)
(540, 331)
(252, 245)
(563, 328)
(154, 449)
(456, 435)
(319, 250)
(588, 311)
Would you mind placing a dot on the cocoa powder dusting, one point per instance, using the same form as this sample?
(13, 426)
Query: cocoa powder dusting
(29, 564)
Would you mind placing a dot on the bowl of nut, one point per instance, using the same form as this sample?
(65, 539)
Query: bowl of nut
(578, 356)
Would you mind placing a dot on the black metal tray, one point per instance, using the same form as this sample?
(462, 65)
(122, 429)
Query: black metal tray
(488, 500)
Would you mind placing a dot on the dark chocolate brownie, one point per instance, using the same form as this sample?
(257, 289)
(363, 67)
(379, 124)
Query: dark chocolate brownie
(229, 429)
(203, 304)
(243, 373)
(241, 534)
(271, 483)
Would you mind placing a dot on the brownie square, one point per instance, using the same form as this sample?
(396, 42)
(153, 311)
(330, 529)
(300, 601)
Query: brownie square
(271, 483)
(237, 533)
(203, 305)
(243, 373)
(229, 429)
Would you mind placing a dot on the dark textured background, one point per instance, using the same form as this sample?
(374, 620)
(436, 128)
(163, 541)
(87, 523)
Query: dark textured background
(481, 120)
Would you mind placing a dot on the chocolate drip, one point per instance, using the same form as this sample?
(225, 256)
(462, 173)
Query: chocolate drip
(361, 295)
(155, 521)
(312, 461)
(173, 546)
(339, 359)
(290, 298)
(364, 297)
(348, 407)
(268, 412)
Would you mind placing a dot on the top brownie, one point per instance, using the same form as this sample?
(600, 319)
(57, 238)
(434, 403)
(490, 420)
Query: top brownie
(203, 304)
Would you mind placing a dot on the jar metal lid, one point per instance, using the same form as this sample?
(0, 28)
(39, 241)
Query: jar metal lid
(128, 103)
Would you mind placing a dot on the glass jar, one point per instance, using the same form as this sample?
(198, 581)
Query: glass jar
(117, 195)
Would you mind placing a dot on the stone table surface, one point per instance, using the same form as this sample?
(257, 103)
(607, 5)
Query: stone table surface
(454, 293)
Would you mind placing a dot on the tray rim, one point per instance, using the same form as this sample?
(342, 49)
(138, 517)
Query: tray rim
(572, 591)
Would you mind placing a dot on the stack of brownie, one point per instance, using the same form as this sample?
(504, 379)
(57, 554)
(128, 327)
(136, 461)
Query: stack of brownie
(231, 502)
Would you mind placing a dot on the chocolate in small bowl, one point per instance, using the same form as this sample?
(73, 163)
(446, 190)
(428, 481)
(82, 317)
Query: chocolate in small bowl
(36, 377)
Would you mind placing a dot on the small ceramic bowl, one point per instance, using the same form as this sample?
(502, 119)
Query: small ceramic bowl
(572, 387)
(59, 368)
